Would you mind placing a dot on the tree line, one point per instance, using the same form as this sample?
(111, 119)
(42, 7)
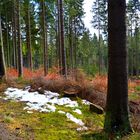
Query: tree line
(34, 33)
(52, 33)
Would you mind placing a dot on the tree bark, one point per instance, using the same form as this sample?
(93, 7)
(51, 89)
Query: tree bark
(71, 43)
(28, 35)
(20, 59)
(117, 116)
(75, 43)
(7, 41)
(58, 36)
(44, 37)
(13, 44)
(132, 54)
(2, 60)
(64, 67)
(99, 40)
(15, 34)
(137, 50)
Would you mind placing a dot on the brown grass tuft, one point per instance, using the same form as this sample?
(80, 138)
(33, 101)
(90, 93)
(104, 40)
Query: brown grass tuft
(100, 83)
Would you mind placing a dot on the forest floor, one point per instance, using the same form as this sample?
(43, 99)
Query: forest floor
(19, 124)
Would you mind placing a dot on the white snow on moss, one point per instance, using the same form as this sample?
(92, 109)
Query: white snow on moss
(72, 118)
(44, 102)
(78, 111)
(86, 102)
(83, 128)
(61, 112)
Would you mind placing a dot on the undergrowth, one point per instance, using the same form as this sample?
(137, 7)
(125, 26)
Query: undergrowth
(55, 126)
(99, 82)
(47, 126)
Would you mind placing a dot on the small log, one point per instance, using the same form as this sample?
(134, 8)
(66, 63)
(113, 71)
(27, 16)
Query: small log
(97, 109)
(69, 94)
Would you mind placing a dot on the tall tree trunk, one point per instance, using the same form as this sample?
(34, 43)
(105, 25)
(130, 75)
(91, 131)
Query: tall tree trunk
(13, 45)
(15, 34)
(137, 50)
(7, 41)
(99, 40)
(44, 37)
(28, 34)
(20, 59)
(71, 43)
(99, 51)
(58, 36)
(64, 67)
(75, 43)
(132, 55)
(2, 60)
(117, 117)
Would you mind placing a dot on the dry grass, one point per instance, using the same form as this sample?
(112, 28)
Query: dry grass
(132, 86)
(76, 77)
(100, 83)
(27, 74)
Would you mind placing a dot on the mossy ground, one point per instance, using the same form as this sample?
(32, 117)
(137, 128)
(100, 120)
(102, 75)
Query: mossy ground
(135, 95)
(53, 126)
(47, 126)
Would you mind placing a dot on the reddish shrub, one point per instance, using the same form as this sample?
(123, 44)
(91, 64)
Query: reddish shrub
(132, 86)
(12, 73)
(28, 74)
(100, 83)
(53, 74)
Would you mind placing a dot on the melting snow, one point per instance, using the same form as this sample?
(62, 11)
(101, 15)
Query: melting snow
(45, 102)
(86, 102)
(72, 118)
(30, 112)
(78, 111)
(61, 112)
(82, 128)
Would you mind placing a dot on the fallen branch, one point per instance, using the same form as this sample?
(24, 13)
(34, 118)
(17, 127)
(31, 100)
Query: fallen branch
(72, 89)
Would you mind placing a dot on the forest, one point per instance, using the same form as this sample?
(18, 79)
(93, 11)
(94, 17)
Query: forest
(59, 80)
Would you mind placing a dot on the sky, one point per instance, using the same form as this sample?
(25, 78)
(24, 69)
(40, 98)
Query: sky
(88, 15)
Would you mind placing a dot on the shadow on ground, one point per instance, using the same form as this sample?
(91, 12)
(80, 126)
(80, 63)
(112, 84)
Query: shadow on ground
(95, 136)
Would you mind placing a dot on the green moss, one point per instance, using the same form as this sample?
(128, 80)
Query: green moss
(95, 136)
(52, 126)
(8, 119)
(134, 96)
(137, 88)
(135, 136)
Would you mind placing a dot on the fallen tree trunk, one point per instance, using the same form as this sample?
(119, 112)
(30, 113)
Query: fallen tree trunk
(74, 89)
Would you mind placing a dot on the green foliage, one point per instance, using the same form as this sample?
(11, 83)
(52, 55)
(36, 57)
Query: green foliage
(138, 88)
(90, 69)
(135, 136)
(8, 119)
(88, 53)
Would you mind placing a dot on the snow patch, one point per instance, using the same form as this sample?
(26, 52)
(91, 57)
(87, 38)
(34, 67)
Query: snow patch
(86, 102)
(72, 118)
(83, 128)
(45, 102)
(36, 101)
(78, 111)
(61, 112)
(30, 112)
